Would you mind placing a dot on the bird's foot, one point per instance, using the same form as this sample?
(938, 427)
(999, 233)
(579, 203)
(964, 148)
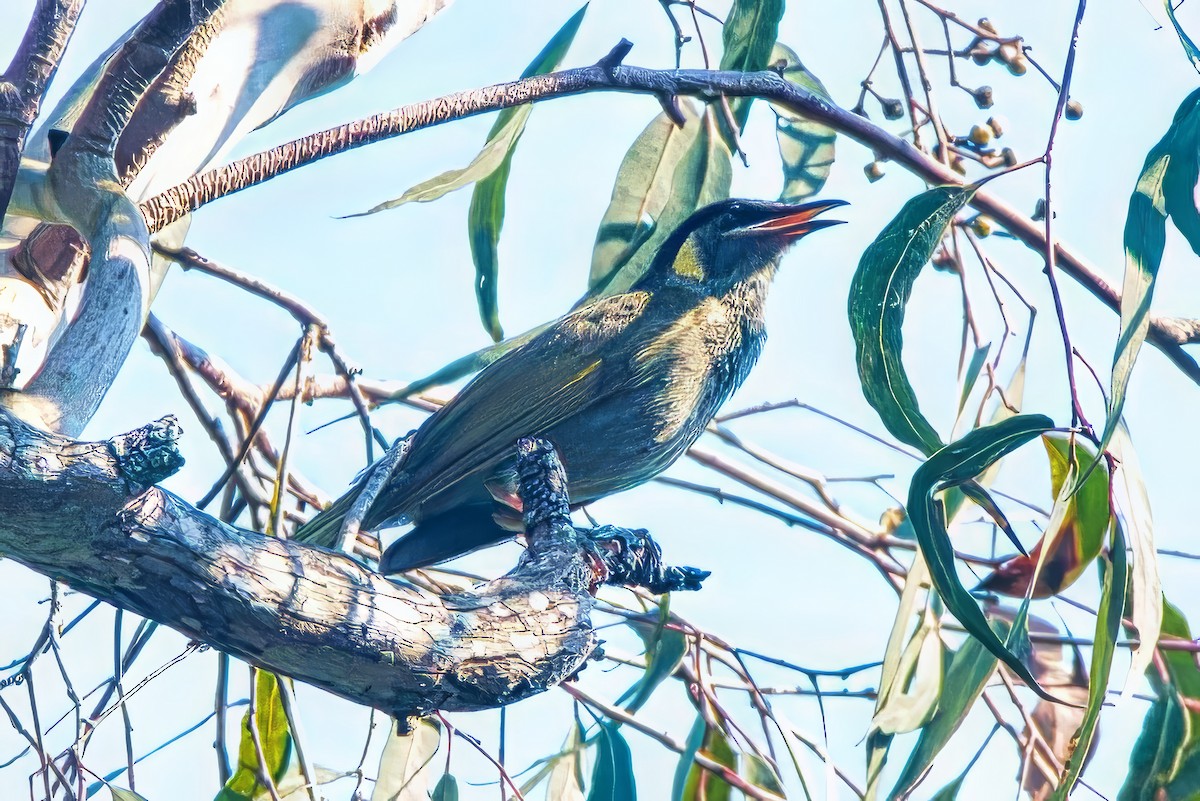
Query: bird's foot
(632, 558)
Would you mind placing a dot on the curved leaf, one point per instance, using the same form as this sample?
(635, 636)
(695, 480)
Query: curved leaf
(1114, 585)
(953, 465)
(806, 146)
(694, 783)
(911, 676)
(667, 174)
(495, 151)
(485, 219)
(274, 737)
(1189, 47)
(612, 775)
(1145, 237)
(1165, 761)
(970, 668)
(1078, 538)
(566, 772)
(404, 764)
(879, 291)
(665, 649)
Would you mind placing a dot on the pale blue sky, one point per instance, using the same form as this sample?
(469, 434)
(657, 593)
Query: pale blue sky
(398, 290)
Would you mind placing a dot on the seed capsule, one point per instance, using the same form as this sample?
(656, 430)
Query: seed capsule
(1074, 110)
(980, 135)
(892, 109)
(983, 96)
(874, 171)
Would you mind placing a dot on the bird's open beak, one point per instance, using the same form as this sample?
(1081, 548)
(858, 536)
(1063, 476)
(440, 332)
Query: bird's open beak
(794, 221)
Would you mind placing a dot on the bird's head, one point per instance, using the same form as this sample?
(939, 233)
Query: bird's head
(724, 243)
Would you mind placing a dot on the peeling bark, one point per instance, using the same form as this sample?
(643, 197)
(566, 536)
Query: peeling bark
(87, 515)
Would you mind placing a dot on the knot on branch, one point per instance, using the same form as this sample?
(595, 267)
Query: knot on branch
(149, 454)
(632, 558)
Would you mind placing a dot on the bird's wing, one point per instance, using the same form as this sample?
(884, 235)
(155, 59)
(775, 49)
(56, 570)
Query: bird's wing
(530, 390)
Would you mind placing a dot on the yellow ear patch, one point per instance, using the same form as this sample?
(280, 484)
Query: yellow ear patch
(687, 261)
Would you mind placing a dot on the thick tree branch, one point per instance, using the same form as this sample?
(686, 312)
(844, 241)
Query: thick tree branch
(24, 82)
(608, 75)
(82, 513)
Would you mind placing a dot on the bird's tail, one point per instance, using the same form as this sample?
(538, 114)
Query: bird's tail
(442, 537)
(326, 528)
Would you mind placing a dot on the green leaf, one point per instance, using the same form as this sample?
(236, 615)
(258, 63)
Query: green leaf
(950, 791)
(489, 159)
(911, 677)
(699, 784)
(510, 124)
(274, 736)
(403, 766)
(120, 794)
(806, 146)
(612, 775)
(970, 668)
(953, 465)
(687, 759)
(666, 175)
(971, 376)
(879, 291)
(760, 773)
(1183, 171)
(665, 649)
(1132, 505)
(749, 35)
(1114, 585)
(485, 219)
(446, 789)
(566, 772)
(1189, 47)
(1145, 238)
(1165, 761)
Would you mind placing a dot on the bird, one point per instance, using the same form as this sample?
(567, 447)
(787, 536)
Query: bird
(621, 386)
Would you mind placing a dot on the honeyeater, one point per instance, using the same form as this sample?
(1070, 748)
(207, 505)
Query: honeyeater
(621, 386)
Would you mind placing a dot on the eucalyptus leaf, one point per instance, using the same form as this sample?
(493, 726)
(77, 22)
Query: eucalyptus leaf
(879, 291)
(1133, 507)
(1189, 47)
(749, 35)
(446, 789)
(274, 737)
(970, 668)
(1165, 761)
(612, 775)
(489, 159)
(404, 763)
(761, 773)
(1170, 162)
(566, 773)
(485, 218)
(1114, 586)
(806, 146)
(700, 784)
(120, 794)
(665, 650)
(668, 173)
(953, 465)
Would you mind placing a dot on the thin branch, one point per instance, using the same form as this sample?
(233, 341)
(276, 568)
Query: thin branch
(201, 189)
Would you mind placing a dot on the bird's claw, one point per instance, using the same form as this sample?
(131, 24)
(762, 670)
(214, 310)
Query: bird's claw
(632, 558)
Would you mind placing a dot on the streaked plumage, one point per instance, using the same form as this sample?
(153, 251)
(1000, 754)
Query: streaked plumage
(621, 386)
